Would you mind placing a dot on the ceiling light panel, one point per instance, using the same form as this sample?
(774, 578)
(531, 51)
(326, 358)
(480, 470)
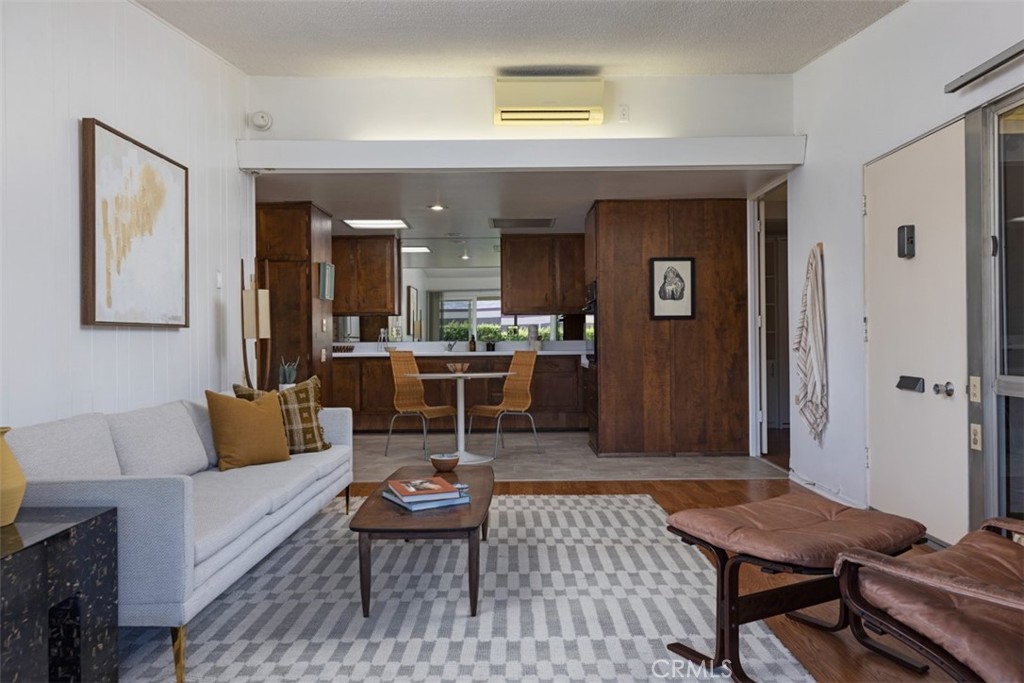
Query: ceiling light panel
(415, 250)
(376, 223)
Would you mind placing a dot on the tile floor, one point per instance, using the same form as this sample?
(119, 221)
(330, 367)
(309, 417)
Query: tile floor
(565, 456)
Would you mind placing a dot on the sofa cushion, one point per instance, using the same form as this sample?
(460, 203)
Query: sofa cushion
(157, 440)
(300, 409)
(247, 432)
(79, 446)
(326, 462)
(227, 503)
(201, 419)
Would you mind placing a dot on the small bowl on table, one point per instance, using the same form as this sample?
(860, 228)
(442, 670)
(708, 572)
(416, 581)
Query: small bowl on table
(444, 462)
(458, 367)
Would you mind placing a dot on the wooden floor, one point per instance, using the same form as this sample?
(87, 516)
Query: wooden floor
(778, 448)
(828, 656)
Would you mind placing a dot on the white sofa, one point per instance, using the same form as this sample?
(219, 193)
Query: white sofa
(186, 530)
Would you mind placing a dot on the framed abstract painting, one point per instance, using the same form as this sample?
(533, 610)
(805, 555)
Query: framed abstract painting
(134, 232)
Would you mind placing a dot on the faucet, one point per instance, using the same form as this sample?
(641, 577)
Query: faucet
(450, 345)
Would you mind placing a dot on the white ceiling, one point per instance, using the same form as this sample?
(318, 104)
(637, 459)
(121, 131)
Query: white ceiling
(484, 38)
(464, 38)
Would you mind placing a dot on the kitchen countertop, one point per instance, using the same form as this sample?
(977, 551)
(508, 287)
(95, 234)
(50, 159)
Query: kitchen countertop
(452, 354)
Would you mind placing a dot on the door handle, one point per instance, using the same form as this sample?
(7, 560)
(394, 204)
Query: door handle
(946, 389)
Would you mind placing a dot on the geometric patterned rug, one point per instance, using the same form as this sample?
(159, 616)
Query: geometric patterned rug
(572, 588)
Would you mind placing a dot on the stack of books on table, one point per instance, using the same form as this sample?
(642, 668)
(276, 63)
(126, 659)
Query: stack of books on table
(424, 494)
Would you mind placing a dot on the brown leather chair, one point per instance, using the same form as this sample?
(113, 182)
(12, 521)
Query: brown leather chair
(796, 533)
(961, 607)
(409, 396)
(515, 399)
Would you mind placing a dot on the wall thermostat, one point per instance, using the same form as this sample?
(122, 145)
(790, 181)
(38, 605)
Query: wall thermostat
(905, 241)
(261, 120)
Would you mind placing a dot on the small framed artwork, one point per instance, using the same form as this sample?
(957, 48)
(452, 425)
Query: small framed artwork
(412, 306)
(134, 232)
(327, 281)
(671, 288)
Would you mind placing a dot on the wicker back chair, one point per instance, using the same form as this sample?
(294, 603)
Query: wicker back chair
(409, 395)
(516, 398)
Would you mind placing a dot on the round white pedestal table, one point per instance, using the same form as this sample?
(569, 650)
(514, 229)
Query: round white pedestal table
(460, 409)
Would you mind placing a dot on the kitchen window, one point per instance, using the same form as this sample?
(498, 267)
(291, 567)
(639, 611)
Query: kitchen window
(463, 314)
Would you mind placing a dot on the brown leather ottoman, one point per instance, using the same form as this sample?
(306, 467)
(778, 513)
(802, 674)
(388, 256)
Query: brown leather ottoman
(798, 533)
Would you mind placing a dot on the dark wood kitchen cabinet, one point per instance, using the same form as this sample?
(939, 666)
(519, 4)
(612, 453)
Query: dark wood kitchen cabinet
(590, 399)
(367, 275)
(365, 385)
(542, 274)
(292, 239)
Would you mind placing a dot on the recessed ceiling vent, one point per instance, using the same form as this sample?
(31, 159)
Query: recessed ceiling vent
(522, 223)
(548, 101)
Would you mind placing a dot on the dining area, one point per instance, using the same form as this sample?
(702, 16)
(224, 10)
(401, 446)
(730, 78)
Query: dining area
(410, 400)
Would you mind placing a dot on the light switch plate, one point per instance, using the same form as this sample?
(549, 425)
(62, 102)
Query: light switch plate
(323, 324)
(975, 389)
(323, 359)
(975, 437)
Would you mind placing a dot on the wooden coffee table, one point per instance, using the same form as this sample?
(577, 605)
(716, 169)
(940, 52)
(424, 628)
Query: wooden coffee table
(379, 518)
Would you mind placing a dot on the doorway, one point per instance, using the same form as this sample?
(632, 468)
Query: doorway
(773, 256)
(915, 285)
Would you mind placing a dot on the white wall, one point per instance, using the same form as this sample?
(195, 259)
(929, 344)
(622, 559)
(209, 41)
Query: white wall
(880, 89)
(115, 62)
(463, 109)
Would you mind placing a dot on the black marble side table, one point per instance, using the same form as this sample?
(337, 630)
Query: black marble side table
(58, 595)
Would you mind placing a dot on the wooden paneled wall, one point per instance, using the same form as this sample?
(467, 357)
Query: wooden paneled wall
(672, 386)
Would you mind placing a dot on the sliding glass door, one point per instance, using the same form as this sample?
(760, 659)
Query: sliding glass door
(1009, 302)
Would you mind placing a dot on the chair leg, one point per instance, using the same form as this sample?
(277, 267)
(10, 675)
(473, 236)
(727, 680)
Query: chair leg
(424, 421)
(469, 427)
(533, 424)
(391, 426)
(178, 647)
(498, 435)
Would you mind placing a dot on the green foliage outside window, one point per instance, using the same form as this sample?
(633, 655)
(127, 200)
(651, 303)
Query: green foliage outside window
(459, 331)
(455, 331)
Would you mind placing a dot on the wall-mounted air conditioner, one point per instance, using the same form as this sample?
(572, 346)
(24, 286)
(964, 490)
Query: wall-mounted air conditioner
(548, 101)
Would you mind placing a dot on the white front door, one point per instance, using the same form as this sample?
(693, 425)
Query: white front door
(916, 311)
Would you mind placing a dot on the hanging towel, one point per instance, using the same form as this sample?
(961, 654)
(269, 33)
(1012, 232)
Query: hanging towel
(809, 344)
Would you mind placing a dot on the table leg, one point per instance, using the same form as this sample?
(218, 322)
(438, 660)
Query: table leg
(460, 416)
(364, 571)
(474, 569)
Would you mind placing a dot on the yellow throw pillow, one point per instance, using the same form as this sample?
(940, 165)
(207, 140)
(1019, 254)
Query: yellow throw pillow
(247, 432)
(300, 409)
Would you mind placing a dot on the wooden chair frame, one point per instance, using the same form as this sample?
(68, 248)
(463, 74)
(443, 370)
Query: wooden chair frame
(848, 572)
(409, 396)
(733, 609)
(516, 398)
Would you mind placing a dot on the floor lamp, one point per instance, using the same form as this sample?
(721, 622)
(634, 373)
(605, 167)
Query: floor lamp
(255, 325)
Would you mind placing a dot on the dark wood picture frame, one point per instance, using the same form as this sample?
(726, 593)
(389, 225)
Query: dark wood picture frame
(134, 219)
(672, 290)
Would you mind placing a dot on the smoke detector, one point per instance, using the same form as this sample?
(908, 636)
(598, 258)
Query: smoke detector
(261, 120)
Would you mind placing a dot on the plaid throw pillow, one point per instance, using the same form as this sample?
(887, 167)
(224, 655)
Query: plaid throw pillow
(300, 408)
